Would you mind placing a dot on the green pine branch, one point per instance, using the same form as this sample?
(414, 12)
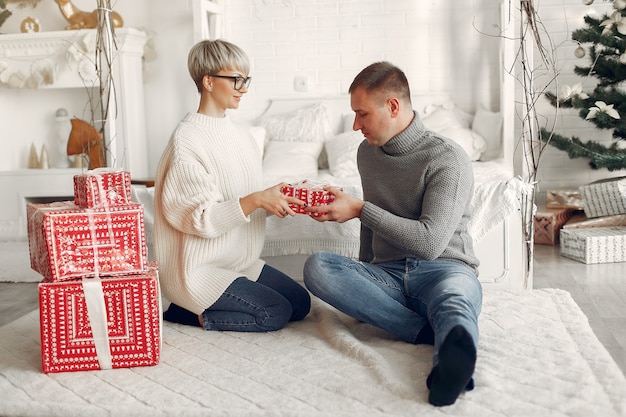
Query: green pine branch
(4, 14)
(612, 158)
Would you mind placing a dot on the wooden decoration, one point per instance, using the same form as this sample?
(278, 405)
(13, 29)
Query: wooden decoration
(80, 19)
(84, 138)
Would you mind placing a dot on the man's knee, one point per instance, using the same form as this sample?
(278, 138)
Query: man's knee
(314, 273)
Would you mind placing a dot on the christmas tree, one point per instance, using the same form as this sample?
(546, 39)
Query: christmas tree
(4, 13)
(605, 106)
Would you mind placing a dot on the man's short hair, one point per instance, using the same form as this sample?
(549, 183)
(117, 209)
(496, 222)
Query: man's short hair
(384, 77)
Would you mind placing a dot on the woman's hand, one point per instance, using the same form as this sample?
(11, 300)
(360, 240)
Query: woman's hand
(344, 207)
(271, 200)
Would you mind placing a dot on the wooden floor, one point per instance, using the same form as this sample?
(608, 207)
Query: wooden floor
(599, 290)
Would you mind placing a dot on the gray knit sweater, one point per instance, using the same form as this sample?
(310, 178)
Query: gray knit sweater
(417, 190)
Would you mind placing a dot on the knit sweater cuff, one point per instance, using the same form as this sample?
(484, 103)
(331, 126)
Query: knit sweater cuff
(371, 214)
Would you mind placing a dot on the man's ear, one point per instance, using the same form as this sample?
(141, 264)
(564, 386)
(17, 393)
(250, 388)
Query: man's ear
(394, 106)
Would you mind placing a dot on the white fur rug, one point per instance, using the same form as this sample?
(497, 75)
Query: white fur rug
(537, 357)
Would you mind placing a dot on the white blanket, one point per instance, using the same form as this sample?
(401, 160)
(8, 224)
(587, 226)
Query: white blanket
(537, 357)
(496, 195)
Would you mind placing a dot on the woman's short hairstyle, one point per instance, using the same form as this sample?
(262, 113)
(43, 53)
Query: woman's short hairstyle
(385, 78)
(211, 56)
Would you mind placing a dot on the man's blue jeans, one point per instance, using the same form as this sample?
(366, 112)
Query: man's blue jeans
(401, 296)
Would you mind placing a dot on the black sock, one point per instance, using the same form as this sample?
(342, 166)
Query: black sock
(453, 374)
(179, 315)
(426, 336)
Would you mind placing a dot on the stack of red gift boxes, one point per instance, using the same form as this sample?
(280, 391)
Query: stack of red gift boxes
(311, 193)
(99, 299)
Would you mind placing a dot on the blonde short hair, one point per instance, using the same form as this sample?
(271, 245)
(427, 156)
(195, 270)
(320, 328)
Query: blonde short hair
(212, 56)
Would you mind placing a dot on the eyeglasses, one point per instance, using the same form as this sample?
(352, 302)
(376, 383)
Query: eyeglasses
(238, 82)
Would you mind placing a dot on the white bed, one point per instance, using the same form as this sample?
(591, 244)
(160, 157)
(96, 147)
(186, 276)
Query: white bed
(496, 226)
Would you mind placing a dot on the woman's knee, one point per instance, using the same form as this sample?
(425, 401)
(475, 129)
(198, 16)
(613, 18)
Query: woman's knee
(301, 305)
(275, 316)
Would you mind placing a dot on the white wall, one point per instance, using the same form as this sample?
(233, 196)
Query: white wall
(331, 41)
(442, 46)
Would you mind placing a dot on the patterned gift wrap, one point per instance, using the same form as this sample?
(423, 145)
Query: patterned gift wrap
(564, 198)
(548, 223)
(594, 245)
(102, 187)
(67, 242)
(312, 194)
(125, 331)
(605, 197)
(580, 221)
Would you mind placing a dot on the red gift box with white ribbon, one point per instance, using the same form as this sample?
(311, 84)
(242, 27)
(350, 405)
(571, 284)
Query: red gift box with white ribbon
(313, 194)
(67, 242)
(95, 323)
(101, 188)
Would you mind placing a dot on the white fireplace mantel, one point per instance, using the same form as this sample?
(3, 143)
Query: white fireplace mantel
(65, 60)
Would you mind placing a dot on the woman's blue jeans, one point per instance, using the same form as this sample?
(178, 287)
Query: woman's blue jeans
(265, 305)
(401, 296)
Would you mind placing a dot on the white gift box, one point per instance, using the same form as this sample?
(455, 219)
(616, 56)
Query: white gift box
(605, 197)
(594, 245)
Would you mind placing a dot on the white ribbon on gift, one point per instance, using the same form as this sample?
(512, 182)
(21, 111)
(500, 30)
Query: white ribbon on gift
(94, 297)
(105, 194)
(96, 310)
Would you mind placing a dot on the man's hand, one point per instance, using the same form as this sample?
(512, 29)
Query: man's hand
(345, 207)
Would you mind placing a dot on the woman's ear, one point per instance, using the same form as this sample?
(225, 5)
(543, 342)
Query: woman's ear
(207, 83)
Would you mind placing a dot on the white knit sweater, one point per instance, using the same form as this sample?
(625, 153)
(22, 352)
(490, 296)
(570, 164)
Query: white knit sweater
(202, 239)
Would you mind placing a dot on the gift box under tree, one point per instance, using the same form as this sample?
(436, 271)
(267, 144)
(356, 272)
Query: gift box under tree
(579, 221)
(594, 245)
(605, 197)
(548, 223)
(564, 198)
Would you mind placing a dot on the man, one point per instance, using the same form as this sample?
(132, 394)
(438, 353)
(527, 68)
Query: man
(416, 276)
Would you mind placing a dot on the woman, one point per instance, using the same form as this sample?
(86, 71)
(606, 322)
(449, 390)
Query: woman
(210, 216)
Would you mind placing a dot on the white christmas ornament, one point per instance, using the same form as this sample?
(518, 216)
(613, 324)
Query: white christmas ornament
(579, 52)
(619, 4)
(622, 58)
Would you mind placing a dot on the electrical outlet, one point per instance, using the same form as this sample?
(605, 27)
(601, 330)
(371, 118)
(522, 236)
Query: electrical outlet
(301, 83)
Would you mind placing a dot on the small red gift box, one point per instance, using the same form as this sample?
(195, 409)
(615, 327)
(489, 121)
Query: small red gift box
(94, 323)
(548, 223)
(312, 194)
(101, 188)
(67, 242)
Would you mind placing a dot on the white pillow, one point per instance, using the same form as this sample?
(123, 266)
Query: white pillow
(445, 122)
(488, 124)
(347, 121)
(291, 161)
(308, 124)
(341, 151)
